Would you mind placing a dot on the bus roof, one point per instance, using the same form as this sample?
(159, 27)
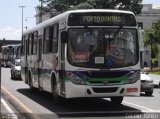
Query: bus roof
(99, 10)
(13, 45)
(60, 16)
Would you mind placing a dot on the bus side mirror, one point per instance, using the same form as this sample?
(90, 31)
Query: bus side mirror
(64, 36)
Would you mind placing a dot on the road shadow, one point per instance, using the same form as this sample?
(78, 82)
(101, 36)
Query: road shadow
(81, 107)
(16, 79)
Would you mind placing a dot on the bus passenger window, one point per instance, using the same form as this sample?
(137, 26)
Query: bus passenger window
(47, 45)
(55, 39)
(35, 42)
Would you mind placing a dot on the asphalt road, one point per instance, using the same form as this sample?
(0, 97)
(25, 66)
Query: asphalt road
(39, 105)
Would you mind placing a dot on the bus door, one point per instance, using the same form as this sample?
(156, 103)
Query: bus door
(62, 71)
(38, 65)
(25, 60)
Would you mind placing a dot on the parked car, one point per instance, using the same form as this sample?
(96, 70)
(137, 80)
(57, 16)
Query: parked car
(156, 83)
(16, 69)
(147, 84)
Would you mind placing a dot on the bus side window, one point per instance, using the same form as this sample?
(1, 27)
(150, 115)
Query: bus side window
(47, 48)
(55, 38)
(22, 48)
(31, 36)
(35, 42)
(27, 44)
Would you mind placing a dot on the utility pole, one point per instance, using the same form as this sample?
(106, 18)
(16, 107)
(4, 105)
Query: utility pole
(151, 42)
(22, 17)
(41, 11)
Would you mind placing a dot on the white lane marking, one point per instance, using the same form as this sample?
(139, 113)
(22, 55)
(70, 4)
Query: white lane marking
(146, 108)
(9, 109)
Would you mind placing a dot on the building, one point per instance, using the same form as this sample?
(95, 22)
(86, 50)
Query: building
(150, 14)
(42, 15)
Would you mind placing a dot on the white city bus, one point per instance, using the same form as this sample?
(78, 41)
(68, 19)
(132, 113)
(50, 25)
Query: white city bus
(84, 53)
(6, 55)
(9, 54)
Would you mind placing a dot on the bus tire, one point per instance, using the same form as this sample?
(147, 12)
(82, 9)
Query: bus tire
(56, 98)
(149, 93)
(32, 89)
(12, 75)
(116, 100)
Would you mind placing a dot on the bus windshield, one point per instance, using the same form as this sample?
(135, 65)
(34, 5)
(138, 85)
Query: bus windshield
(103, 48)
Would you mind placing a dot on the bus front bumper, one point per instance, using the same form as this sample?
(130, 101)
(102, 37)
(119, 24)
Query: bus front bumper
(77, 91)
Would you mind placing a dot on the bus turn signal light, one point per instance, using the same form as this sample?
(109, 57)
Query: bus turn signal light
(130, 90)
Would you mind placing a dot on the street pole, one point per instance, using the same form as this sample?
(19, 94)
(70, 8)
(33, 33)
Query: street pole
(22, 17)
(151, 38)
(41, 12)
(151, 54)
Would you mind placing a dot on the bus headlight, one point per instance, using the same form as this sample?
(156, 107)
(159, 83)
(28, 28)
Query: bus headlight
(133, 78)
(76, 80)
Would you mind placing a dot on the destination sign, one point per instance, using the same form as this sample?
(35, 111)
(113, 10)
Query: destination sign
(101, 19)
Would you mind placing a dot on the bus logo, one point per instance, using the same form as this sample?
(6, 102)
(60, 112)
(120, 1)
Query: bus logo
(105, 82)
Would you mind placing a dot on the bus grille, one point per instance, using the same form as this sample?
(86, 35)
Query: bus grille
(105, 90)
(143, 81)
(101, 82)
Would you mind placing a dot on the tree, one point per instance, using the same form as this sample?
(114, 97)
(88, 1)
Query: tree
(156, 31)
(84, 5)
(61, 5)
(152, 38)
(64, 5)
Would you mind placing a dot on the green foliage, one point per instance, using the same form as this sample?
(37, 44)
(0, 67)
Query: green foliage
(64, 5)
(157, 73)
(61, 5)
(156, 30)
(146, 39)
(154, 60)
(82, 6)
(153, 36)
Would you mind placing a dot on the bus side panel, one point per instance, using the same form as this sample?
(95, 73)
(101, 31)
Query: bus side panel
(46, 69)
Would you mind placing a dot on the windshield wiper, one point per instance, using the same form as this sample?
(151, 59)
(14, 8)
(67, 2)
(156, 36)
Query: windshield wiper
(119, 28)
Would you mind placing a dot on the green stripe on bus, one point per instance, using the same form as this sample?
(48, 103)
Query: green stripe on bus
(123, 78)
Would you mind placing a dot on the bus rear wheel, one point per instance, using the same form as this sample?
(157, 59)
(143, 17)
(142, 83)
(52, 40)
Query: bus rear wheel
(116, 100)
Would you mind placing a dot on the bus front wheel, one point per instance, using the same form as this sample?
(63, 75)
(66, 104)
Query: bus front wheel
(116, 100)
(56, 98)
(32, 89)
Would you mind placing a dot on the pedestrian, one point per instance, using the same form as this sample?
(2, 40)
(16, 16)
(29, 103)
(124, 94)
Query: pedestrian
(145, 64)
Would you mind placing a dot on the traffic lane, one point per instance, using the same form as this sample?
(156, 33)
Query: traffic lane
(76, 108)
(150, 102)
(80, 107)
(9, 88)
(41, 102)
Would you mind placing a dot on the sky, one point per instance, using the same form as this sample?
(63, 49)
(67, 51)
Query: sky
(11, 16)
